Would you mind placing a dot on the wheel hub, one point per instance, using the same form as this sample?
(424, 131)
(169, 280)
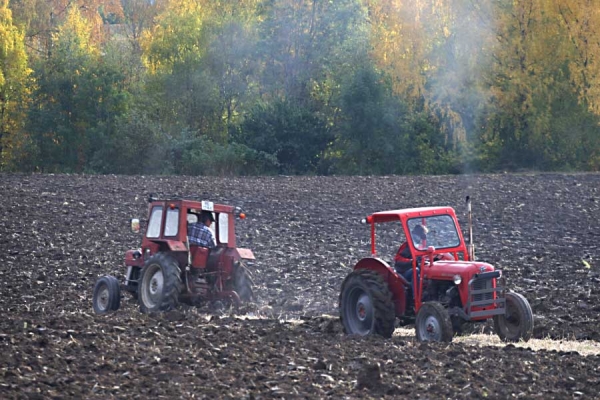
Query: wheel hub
(360, 314)
(103, 298)
(363, 307)
(432, 329)
(152, 287)
(156, 283)
(512, 318)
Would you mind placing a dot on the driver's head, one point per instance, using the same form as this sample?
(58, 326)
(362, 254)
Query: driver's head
(419, 232)
(207, 217)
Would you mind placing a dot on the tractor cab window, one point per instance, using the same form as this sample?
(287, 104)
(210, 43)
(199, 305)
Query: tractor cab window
(172, 222)
(154, 222)
(388, 236)
(192, 218)
(223, 222)
(440, 232)
(213, 228)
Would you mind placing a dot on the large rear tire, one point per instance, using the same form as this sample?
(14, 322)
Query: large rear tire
(160, 284)
(107, 295)
(433, 323)
(517, 323)
(366, 305)
(242, 282)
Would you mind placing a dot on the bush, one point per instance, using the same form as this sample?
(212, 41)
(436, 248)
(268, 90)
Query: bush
(203, 156)
(295, 136)
(136, 145)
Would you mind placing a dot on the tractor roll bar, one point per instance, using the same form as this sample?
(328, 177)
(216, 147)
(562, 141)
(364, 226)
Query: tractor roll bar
(471, 247)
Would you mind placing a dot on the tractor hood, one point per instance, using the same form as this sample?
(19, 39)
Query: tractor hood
(445, 270)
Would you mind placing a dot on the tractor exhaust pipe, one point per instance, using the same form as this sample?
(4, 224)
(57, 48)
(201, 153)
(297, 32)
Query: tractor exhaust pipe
(471, 246)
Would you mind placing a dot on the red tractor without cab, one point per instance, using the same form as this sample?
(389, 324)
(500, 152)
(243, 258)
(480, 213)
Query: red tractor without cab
(166, 270)
(450, 287)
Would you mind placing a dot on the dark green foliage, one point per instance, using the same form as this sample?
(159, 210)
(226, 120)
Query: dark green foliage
(558, 133)
(76, 104)
(70, 109)
(135, 146)
(203, 156)
(297, 137)
(379, 134)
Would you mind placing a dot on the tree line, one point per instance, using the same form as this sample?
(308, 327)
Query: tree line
(299, 86)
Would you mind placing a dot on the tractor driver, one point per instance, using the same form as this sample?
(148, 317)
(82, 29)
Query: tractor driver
(403, 260)
(200, 234)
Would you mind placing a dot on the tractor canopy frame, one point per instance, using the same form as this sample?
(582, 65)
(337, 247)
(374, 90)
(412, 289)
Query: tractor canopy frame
(458, 250)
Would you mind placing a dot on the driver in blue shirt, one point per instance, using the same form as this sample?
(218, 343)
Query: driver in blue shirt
(199, 234)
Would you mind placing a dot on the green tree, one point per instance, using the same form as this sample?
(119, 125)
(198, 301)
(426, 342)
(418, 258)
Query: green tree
(14, 85)
(304, 44)
(199, 57)
(371, 136)
(378, 133)
(296, 136)
(76, 101)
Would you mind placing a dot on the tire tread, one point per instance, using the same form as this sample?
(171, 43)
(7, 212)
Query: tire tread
(114, 294)
(385, 312)
(526, 317)
(173, 285)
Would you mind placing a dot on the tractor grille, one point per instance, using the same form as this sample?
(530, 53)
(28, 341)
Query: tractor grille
(485, 300)
(482, 284)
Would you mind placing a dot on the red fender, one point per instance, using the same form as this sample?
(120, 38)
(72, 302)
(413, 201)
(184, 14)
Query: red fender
(396, 283)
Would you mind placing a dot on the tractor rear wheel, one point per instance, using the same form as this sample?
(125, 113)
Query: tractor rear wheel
(160, 284)
(242, 282)
(366, 305)
(107, 295)
(517, 323)
(433, 323)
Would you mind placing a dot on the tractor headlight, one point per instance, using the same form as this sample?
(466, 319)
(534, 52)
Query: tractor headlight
(457, 279)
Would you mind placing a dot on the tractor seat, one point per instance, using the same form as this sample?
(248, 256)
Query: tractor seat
(199, 255)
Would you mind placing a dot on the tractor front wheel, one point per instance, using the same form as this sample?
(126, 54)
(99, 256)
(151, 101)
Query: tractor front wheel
(160, 284)
(433, 323)
(242, 282)
(366, 305)
(517, 323)
(107, 295)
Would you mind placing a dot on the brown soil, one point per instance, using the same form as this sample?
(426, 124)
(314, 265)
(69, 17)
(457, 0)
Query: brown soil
(60, 232)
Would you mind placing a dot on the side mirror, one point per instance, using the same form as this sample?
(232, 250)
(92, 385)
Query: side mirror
(135, 225)
(430, 249)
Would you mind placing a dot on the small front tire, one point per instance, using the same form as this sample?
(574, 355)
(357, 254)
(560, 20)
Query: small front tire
(107, 295)
(433, 323)
(517, 323)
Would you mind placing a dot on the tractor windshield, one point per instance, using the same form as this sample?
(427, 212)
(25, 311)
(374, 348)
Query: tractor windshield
(438, 231)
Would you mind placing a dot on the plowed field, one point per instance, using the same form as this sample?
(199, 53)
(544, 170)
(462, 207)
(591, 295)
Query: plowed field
(58, 233)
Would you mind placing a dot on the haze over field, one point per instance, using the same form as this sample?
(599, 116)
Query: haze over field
(200, 87)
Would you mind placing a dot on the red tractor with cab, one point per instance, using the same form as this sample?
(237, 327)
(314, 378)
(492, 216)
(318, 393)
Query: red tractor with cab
(166, 270)
(447, 288)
